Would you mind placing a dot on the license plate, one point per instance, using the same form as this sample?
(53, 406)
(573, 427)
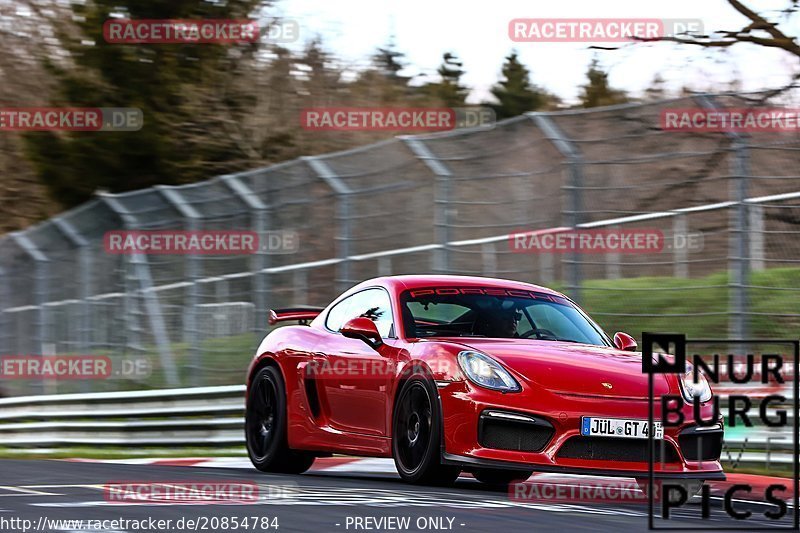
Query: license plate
(618, 427)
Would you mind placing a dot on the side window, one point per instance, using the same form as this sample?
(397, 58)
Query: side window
(371, 303)
(375, 305)
(338, 314)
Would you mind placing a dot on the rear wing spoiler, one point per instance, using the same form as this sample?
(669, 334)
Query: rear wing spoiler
(301, 314)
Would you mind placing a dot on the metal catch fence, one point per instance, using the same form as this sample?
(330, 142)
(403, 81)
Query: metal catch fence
(443, 202)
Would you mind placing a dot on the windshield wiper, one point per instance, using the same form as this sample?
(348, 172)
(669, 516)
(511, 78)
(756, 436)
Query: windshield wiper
(557, 339)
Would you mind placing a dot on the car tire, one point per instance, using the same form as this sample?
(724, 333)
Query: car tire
(416, 435)
(265, 426)
(501, 477)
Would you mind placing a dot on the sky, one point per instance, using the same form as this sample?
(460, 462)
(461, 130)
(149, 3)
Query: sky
(478, 34)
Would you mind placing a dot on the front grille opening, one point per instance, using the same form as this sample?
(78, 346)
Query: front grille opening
(516, 435)
(701, 446)
(612, 449)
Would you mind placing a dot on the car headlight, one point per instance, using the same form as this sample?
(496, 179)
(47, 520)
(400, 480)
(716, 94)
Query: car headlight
(486, 372)
(692, 390)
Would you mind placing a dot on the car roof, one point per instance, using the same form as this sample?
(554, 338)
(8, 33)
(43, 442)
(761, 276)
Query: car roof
(406, 282)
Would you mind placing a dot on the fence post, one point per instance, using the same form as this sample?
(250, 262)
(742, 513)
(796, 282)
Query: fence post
(739, 248)
(343, 218)
(385, 265)
(300, 282)
(573, 213)
(84, 283)
(489, 259)
(546, 270)
(41, 290)
(442, 222)
(613, 262)
(222, 291)
(145, 281)
(5, 322)
(757, 228)
(261, 260)
(194, 271)
(131, 314)
(680, 226)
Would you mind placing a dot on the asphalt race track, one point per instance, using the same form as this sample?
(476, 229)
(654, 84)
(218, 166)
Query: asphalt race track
(319, 501)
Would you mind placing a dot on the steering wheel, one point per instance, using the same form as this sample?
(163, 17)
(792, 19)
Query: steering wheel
(539, 333)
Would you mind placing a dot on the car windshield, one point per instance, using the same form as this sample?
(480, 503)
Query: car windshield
(496, 313)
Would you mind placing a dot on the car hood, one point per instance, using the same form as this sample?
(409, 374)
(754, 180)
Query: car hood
(566, 367)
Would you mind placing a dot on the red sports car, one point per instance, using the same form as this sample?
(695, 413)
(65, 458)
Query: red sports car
(451, 373)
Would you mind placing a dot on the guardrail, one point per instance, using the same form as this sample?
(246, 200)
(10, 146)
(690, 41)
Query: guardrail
(214, 416)
(201, 416)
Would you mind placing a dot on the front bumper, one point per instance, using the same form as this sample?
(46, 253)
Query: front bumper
(687, 452)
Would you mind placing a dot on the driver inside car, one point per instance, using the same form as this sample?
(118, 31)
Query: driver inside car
(498, 323)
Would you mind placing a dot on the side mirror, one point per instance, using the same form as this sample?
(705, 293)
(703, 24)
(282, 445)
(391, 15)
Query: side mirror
(362, 328)
(625, 342)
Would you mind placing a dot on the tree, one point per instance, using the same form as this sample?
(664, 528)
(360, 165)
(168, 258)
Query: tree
(515, 93)
(183, 90)
(598, 92)
(322, 80)
(383, 81)
(24, 83)
(759, 30)
(389, 61)
(449, 90)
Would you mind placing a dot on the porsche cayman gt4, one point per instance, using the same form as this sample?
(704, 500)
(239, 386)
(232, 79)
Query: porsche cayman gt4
(449, 373)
